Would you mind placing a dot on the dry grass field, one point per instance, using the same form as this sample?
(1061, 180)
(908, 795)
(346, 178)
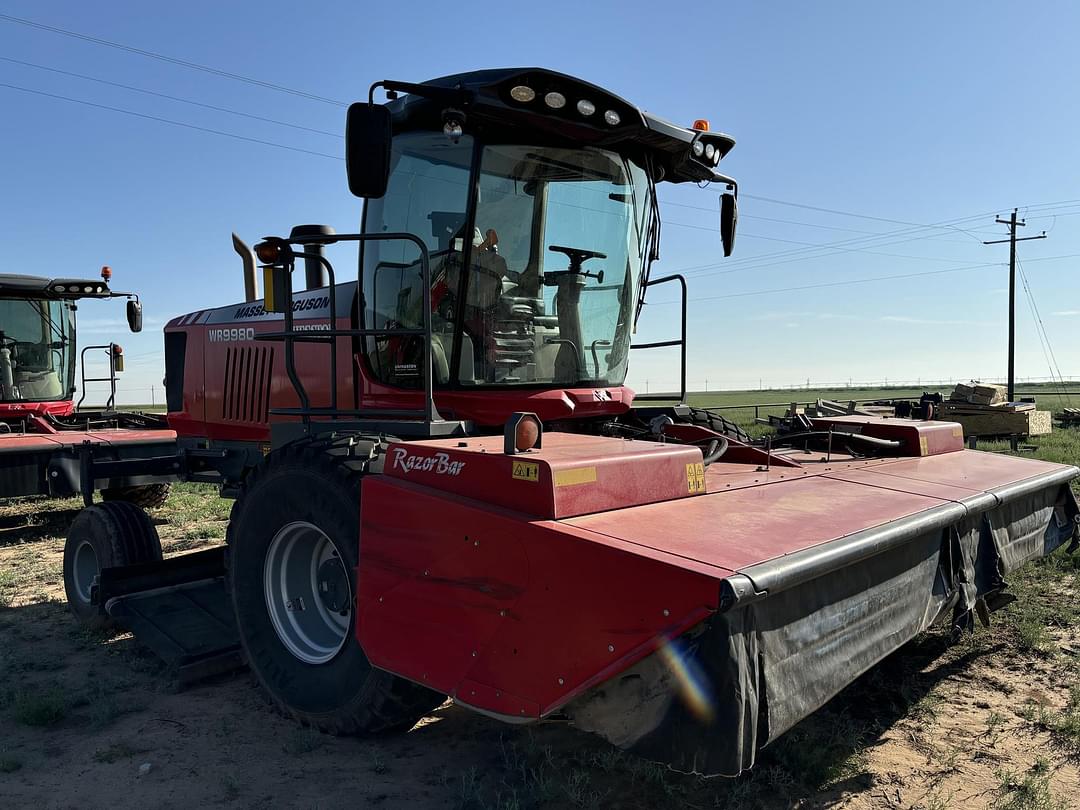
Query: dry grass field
(91, 720)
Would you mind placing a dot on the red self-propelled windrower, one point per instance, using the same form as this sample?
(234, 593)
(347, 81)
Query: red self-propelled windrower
(442, 488)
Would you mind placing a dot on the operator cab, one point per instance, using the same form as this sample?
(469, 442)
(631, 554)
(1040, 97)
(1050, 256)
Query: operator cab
(37, 335)
(534, 194)
(509, 224)
(535, 285)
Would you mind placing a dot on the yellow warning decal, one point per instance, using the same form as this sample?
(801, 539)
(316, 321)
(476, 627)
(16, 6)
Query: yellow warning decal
(958, 432)
(525, 471)
(924, 449)
(576, 475)
(695, 478)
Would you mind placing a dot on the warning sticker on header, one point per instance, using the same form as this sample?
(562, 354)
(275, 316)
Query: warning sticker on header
(695, 478)
(525, 471)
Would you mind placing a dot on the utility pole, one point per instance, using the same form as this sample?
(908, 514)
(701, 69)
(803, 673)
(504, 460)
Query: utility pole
(1013, 223)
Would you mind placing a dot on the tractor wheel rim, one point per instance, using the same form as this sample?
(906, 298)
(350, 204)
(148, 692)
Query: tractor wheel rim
(308, 594)
(84, 568)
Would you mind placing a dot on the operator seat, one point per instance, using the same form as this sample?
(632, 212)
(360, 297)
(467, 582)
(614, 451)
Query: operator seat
(38, 385)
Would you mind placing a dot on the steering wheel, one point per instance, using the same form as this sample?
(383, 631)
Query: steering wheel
(576, 257)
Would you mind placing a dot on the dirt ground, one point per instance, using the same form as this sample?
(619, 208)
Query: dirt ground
(91, 720)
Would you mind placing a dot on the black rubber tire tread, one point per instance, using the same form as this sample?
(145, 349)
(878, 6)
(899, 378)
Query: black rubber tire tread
(716, 422)
(148, 496)
(120, 533)
(319, 483)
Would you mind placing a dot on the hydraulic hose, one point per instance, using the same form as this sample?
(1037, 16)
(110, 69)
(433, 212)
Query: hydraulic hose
(716, 448)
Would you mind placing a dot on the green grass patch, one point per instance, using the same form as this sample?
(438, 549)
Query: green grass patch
(8, 587)
(1030, 791)
(116, 752)
(302, 740)
(43, 707)
(1064, 726)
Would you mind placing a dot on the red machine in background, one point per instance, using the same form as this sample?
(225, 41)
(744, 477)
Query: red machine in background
(442, 488)
(45, 441)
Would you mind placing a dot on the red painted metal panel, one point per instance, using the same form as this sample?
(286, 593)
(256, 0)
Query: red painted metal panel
(736, 528)
(493, 407)
(970, 469)
(15, 410)
(875, 477)
(512, 616)
(65, 439)
(29, 442)
(570, 475)
(916, 438)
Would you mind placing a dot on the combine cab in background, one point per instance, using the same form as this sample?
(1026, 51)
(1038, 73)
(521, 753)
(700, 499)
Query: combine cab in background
(442, 488)
(47, 444)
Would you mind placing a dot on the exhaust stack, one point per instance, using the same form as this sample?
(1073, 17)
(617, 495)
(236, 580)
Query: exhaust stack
(314, 273)
(247, 256)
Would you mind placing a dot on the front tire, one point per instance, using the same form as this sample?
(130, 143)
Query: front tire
(106, 535)
(293, 550)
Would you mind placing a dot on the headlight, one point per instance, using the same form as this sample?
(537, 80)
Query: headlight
(88, 289)
(555, 100)
(612, 118)
(716, 158)
(710, 150)
(522, 93)
(60, 288)
(697, 148)
(586, 107)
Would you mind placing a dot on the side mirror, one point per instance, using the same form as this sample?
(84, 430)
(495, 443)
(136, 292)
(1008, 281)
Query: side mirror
(367, 149)
(134, 315)
(729, 217)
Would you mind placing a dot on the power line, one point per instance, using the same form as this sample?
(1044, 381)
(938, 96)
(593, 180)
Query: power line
(172, 60)
(836, 247)
(743, 215)
(844, 283)
(192, 102)
(238, 136)
(323, 154)
(840, 213)
(866, 280)
(170, 121)
(1040, 328)
(830, 248)
(699, 270)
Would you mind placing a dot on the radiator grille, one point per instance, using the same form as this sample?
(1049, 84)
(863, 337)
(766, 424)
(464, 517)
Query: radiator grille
(246, 392)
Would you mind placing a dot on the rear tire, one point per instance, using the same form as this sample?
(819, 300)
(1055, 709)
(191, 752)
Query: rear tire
(715, 422)
(106, 535)
(148, 496)
(293, 549)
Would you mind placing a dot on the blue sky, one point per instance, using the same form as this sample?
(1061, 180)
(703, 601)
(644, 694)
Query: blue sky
(909, 115)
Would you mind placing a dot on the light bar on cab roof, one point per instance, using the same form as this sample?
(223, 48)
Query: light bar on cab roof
(79, 288)
(707, 149)
(570, 101)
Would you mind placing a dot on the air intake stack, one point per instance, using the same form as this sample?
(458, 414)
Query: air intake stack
(314, 271)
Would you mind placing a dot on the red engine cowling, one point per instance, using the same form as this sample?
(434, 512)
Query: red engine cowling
(222, 381)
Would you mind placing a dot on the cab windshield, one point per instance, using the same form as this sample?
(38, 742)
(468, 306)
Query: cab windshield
(539, 288)
(36, 361)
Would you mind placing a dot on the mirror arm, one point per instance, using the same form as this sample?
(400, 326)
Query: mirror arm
(728, 181)
(449, 95)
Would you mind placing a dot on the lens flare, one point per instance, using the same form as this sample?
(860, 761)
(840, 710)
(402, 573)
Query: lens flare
(693, 686)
